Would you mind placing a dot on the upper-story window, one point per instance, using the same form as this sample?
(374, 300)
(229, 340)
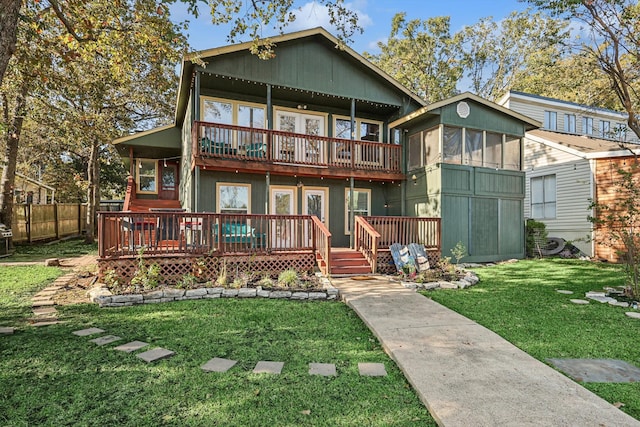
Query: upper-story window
(570, 123)
(605, 128)
(587, 125)
(550, 120)
(365, 130)
(480, 148)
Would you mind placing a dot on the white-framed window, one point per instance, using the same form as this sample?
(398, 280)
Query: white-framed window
(550, 120)
(365, 130)
(147, 176)
(233, 198)
(570, 123)
(543, 197)
(361, 205)
(587, 125)
(605, 128)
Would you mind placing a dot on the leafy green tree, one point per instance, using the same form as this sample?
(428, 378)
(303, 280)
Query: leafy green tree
(611, 28)
(422, 55)
(501, 56)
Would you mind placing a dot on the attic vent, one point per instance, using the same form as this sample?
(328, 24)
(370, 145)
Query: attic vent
(463, 109)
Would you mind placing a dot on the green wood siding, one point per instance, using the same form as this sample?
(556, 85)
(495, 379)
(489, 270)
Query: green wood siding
(316, 67)
(482, 117)
(480, 207)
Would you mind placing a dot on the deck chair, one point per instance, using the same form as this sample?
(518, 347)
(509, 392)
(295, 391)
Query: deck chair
(419, 254)
(401, 256)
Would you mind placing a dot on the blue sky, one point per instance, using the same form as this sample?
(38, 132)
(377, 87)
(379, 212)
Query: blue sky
(375, 17)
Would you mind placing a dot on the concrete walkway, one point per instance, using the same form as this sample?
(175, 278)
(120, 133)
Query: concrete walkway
(465, 374)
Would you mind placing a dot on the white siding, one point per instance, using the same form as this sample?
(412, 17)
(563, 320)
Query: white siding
(538, 155)
(573, 191)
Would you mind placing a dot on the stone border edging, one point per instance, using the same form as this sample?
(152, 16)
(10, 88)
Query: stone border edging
(104, 298)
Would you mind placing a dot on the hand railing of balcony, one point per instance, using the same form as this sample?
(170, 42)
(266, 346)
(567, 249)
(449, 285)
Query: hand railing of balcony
(322, 238)
(366, 240)
(405, 230)
(244, 143)
(164, 233)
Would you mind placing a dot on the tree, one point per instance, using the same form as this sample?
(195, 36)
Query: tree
(247, 16)
(498, 56)
(613, 29)
(423, 56)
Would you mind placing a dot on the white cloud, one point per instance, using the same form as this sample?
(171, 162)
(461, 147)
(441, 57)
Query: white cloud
(312, 14)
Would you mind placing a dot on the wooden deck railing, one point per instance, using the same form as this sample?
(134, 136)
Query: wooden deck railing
(322, 237)
(405, 230)
(165, 233)
(366, 240)
(272, 146)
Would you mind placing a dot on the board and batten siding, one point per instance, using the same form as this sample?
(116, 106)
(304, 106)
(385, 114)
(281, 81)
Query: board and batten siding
(573, 191)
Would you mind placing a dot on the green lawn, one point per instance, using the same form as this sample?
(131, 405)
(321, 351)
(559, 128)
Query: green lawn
(50, 377)
(41, 251)
(519, 302)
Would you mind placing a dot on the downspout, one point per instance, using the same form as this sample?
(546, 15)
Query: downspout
(351, 183)
(268, 153)
(592, 195)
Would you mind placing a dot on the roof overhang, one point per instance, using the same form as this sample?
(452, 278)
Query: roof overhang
(161, 142)
(433, 109)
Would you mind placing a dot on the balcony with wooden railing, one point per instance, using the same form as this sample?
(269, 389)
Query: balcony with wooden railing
(243, 148)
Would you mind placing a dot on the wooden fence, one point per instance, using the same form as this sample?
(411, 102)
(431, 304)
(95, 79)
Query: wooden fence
(33, 223)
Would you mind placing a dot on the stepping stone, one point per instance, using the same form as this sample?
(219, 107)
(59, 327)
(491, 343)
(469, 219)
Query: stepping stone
(43, 303)
(619, 303)
(5, 330)
(598, 370)
(633, 314)
(43, 311)
(579, 301)
(263, 367)
(218, 365)
(372, 369)
(323, 369)
(87, 332)
(155, 354)
(564, 291)
(131, 346)
(104, 340)
(45, 323)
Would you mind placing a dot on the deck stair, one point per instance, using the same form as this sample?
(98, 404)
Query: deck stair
(346, 261)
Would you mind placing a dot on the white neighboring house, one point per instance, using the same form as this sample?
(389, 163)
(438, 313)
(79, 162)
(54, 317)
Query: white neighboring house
(562, 160)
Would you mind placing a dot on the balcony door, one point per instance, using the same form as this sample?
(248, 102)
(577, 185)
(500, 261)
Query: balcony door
(292, 148)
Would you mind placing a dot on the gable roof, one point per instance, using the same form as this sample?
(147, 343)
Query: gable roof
(512, 94)
(190, 61)
(432, 109)
(583, 145)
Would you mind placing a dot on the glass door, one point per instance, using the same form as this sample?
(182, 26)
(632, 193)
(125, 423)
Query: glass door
(283, 231)
(315, 202)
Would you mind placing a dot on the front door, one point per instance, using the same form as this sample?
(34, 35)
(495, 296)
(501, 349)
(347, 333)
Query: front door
(315, 202)
(168, 181)
(283, 230)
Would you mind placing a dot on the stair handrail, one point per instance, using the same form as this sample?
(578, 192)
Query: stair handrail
(322, 241)
(366, 241)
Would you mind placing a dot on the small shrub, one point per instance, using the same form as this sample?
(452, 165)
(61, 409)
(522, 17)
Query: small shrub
(459, 251)
(536, 237)
(187, 281)
(111, 279)
(145, 277)
(288, 279)
(266, 281)
(223, 279)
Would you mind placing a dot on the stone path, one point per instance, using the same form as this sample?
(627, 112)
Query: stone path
(218, 364)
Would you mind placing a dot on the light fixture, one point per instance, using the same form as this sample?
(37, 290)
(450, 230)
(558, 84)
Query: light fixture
(302, 107)
(415, 179)
(300, 184)
(165, 163)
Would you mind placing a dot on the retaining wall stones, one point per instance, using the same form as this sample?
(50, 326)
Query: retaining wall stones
(104, 298)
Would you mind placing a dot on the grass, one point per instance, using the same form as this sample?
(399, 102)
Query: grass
(519, 302)
(17, 286)
(49, 376)
(59, 249)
